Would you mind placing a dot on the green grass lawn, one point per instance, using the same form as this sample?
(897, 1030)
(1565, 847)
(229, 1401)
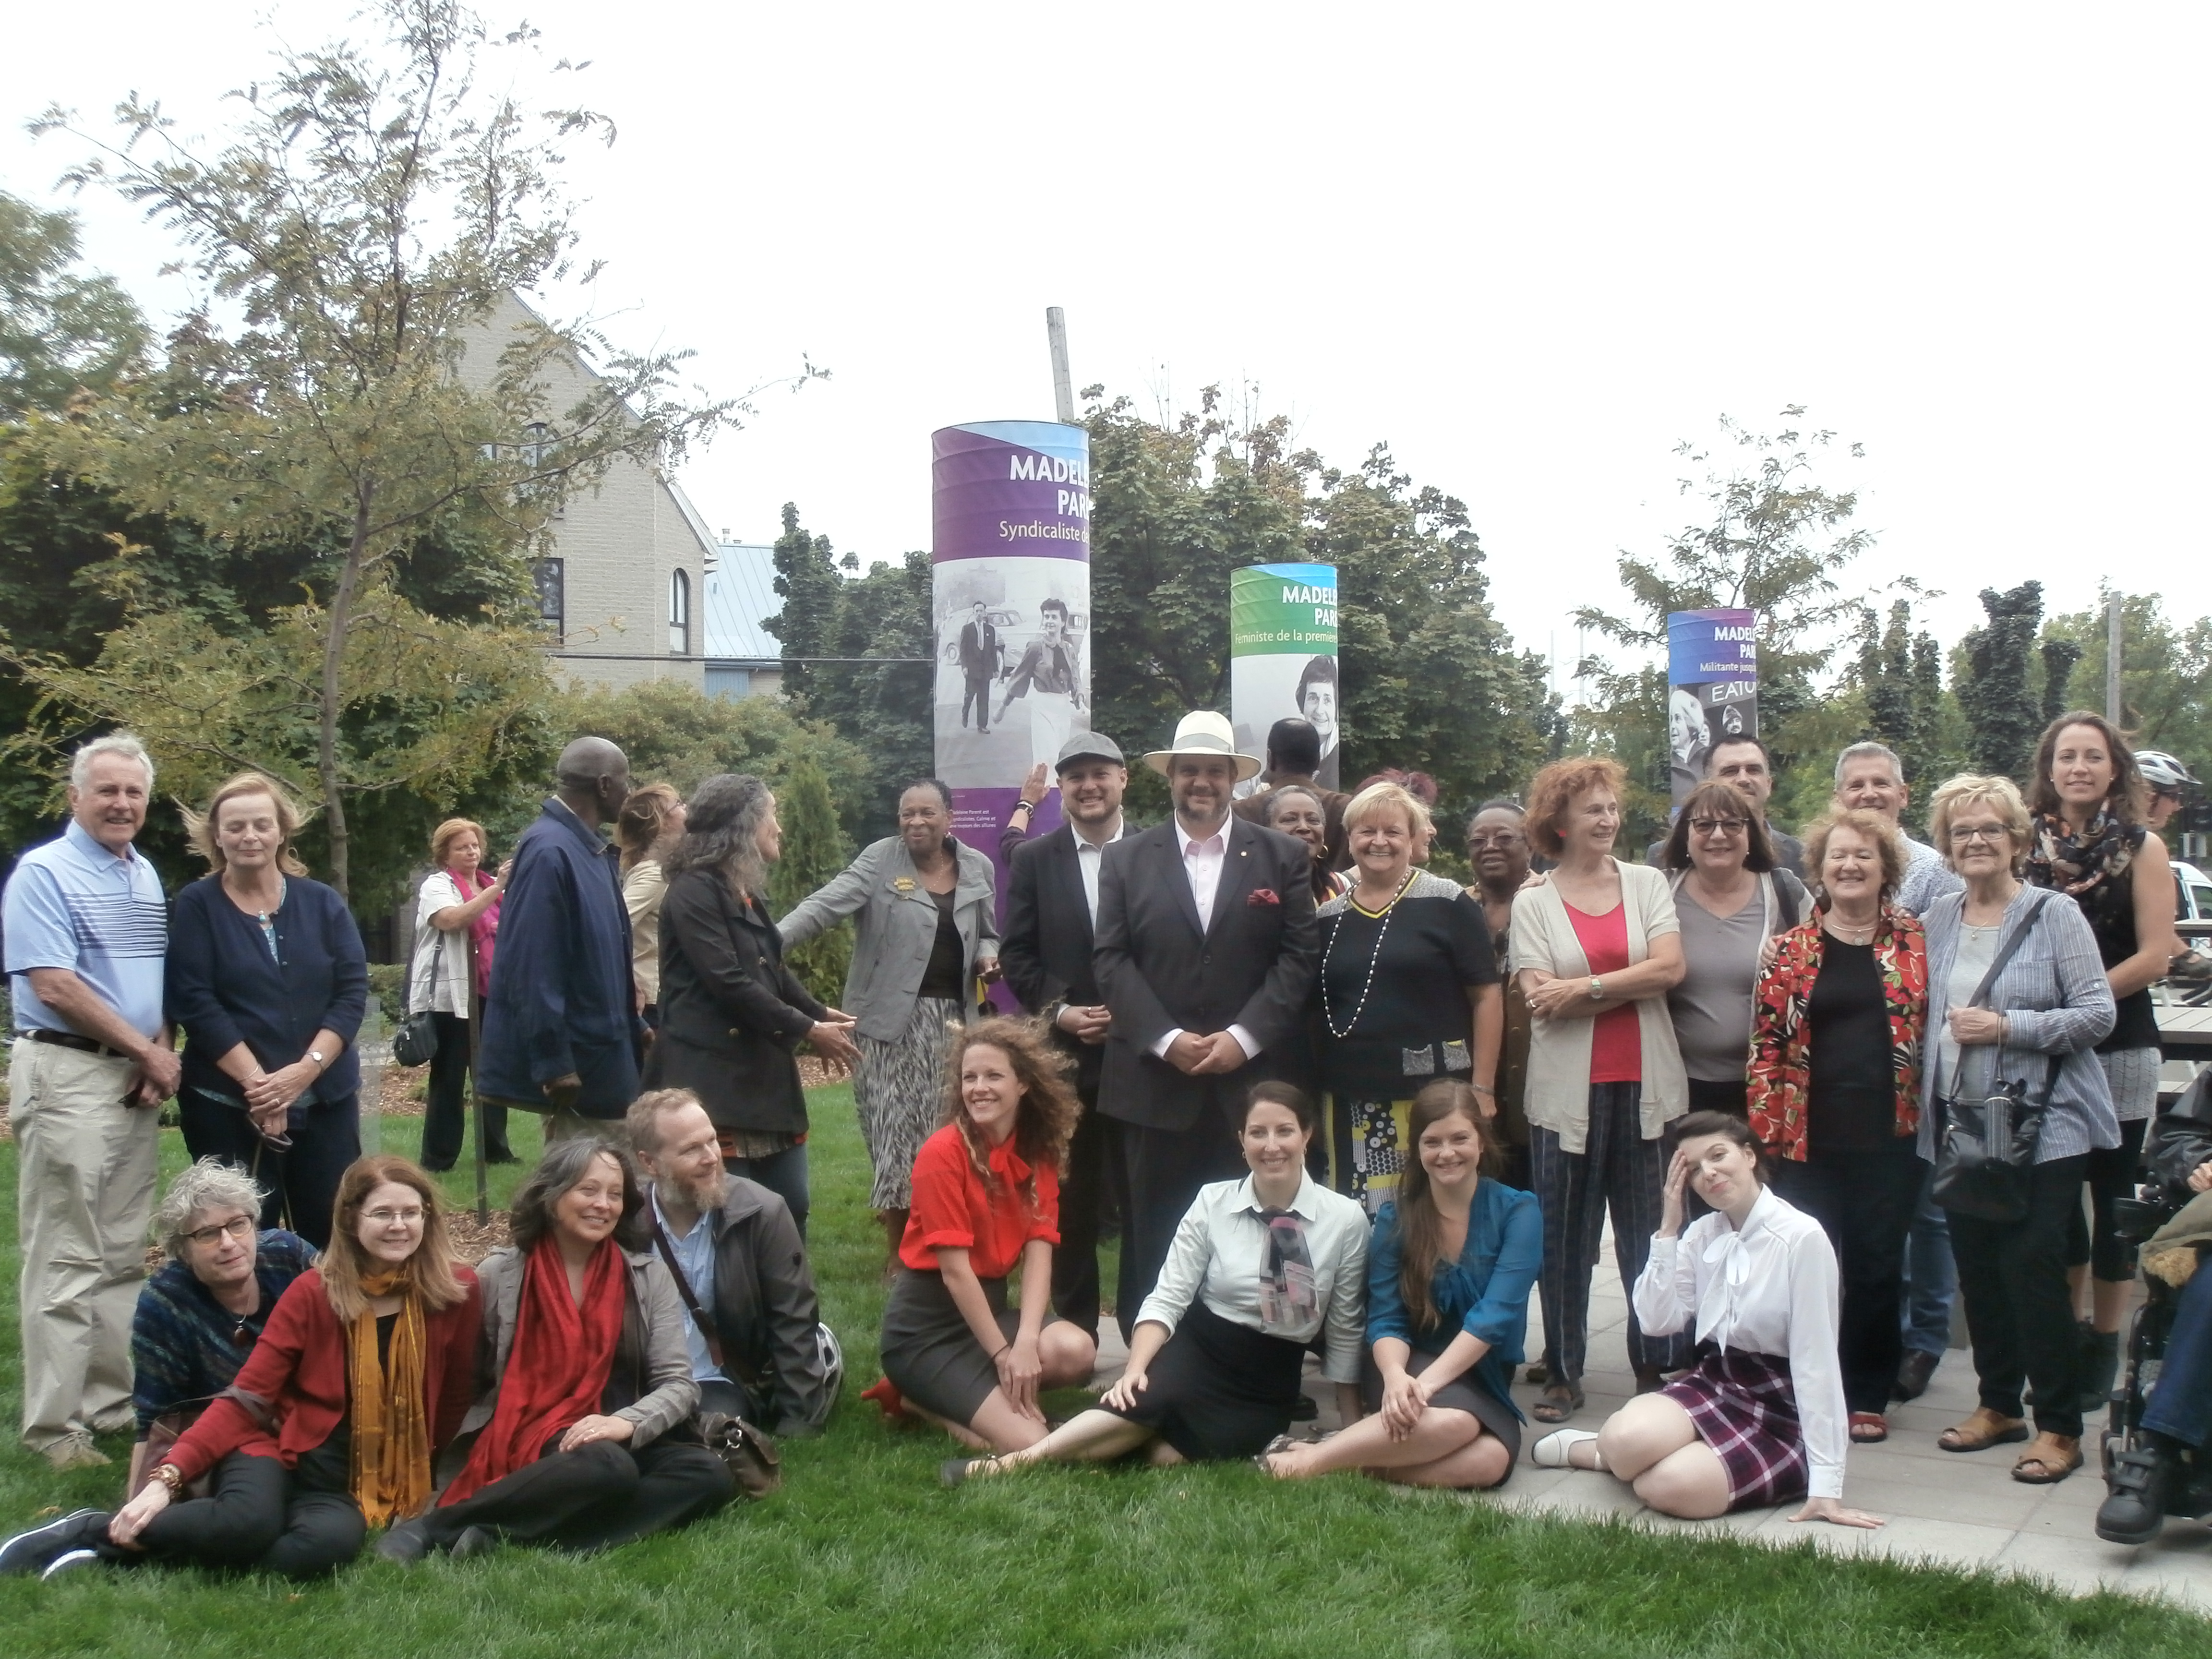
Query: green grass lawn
(862, 1553)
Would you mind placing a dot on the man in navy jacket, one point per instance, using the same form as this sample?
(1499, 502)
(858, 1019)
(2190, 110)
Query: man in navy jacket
(560, 1026)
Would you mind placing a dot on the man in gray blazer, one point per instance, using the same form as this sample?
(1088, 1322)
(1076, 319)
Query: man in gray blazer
(1205, 953)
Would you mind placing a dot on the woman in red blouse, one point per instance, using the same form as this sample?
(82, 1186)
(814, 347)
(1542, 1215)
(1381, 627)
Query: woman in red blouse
(986, 1199)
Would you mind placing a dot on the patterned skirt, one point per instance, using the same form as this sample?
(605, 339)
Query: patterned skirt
(1367, 1149)
(899, 1095)
(1744, 1407)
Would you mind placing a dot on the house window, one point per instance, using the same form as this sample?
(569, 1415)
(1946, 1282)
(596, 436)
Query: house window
(537, 445)
(549, 578)
(679, 614)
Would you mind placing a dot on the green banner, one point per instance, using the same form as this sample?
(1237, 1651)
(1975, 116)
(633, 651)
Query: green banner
(1282, 609)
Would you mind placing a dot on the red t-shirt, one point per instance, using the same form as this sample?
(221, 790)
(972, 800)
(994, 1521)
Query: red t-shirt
(1616, 1035)
(952, 1206)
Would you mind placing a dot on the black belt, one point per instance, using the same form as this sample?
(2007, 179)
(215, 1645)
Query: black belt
(71, 1040)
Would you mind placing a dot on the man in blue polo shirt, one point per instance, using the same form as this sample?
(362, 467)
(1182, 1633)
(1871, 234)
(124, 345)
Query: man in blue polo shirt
(87, 929)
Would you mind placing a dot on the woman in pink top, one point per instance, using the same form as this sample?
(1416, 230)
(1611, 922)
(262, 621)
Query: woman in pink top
(1596, 948)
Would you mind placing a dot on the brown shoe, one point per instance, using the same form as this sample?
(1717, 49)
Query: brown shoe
(2049, 1459)
(1982, 1430)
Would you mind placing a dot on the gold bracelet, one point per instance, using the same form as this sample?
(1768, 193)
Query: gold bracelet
(170, 1476)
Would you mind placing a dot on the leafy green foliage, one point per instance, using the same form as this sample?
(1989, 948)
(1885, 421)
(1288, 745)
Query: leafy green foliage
(2165, 675)
(1996, 689)
(60, 330)
(814, 850)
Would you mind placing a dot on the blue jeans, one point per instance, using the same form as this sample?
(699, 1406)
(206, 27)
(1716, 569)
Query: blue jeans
(1931, 1277)
(2181, 1403)
(782, 1173)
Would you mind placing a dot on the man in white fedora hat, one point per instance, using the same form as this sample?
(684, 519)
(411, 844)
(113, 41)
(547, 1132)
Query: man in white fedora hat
(1206, 951)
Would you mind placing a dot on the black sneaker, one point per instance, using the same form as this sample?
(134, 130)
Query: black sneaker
(33, 1551)
(2140, 1485)
(1306, 1410)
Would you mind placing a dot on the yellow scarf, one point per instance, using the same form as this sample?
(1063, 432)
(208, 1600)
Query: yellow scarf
(390, 1471)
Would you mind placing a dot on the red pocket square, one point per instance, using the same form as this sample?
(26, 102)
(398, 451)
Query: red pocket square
(1262, 895)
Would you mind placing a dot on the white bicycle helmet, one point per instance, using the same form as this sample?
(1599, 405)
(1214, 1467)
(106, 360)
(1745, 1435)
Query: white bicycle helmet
(2163, 773)
(833, 1363)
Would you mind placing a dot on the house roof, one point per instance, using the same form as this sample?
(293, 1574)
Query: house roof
(740, 592)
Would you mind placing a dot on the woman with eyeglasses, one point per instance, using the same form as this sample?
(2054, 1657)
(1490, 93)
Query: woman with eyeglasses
(1733, 900)
(362, 1371)
(2018, 999)
(1835, 1086)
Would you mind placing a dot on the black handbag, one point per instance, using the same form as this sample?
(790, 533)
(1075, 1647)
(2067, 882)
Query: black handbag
(1985, 1150)
(416, 1042)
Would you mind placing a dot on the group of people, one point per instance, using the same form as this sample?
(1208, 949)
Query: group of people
(1338, 1102)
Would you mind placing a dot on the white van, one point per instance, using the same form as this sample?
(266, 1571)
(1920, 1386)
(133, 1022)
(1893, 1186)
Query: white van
(2192, 896)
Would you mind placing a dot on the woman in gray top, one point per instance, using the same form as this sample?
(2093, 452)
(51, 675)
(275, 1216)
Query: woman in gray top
(1731, 899)
(2037, 1028)
(928, 931)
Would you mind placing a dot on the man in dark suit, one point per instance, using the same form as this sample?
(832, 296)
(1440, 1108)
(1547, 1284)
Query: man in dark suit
(979, 665)
(1205, 954)
(1052, 910)
(1293, 759)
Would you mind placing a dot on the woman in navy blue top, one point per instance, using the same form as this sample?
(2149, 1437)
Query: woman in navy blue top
(268, 980)
(1448, 1272)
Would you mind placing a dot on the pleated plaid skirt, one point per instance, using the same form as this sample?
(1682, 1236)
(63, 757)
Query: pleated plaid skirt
(1746, 1409)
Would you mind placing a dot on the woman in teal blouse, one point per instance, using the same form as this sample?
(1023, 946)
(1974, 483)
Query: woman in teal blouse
(1449, 1269)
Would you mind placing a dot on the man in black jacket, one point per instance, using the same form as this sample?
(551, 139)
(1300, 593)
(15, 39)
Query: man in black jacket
(1205, 954)
(1052, 908)
(755, 1330)
(979, 665)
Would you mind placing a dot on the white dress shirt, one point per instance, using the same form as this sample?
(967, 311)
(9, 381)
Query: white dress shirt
(1090, 856)
(1220, 1252)
(1202, 861)
(1770, 1288)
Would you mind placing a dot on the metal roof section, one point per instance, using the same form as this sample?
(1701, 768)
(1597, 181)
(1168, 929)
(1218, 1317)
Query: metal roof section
(740, 592)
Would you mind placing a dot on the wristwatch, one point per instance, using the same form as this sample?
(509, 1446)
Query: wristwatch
(170, 1476)
(1597, 989)
(321, 1063)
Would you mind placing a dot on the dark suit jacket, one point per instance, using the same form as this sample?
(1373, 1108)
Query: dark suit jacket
(561, 997)
(979, 650)
(732, 1015)
(1252, 967)
(1045, 949)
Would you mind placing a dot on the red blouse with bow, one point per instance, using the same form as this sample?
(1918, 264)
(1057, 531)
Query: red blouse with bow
(954, 1207)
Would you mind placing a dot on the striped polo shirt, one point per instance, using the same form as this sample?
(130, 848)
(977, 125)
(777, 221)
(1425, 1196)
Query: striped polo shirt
(71, 903)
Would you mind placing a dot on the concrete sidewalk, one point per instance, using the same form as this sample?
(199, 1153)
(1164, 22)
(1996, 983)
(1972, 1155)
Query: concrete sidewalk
(1956, 1509)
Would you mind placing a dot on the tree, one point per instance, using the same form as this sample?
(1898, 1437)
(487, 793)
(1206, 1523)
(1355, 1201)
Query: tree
(2166, 674)
(60, 330)
(807, 582)
(814, 850)
(1997, 690)
(365, 220)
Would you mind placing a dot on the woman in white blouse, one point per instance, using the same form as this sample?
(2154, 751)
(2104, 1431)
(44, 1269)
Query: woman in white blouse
(1759, 1419)
(1259, 1269)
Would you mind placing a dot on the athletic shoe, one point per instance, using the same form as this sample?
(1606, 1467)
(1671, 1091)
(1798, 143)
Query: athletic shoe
(31, 1551)
(75, 1450)
(69, 1563)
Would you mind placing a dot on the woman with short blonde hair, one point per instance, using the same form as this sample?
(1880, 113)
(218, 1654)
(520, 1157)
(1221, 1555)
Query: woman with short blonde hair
(456, 923)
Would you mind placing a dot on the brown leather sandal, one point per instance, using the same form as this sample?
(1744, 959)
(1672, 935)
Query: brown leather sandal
(1559, 1402)
(2051, 1456)
(1982, 1430)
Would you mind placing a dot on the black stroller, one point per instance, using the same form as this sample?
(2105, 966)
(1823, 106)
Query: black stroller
(2179, 1142)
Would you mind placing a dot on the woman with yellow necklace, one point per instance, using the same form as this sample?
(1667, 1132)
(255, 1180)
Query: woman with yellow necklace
(1407, 994)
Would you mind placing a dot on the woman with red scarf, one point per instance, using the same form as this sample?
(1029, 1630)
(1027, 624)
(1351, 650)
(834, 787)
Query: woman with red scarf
(582, 1431)
(456, 914)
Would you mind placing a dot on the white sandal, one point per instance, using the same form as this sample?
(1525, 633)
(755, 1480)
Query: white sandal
(1556, 1450)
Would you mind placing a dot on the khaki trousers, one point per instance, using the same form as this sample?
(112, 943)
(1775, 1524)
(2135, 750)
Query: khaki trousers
(86, 1165)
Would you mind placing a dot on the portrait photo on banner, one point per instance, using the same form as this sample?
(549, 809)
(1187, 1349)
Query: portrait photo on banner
(1012, 683)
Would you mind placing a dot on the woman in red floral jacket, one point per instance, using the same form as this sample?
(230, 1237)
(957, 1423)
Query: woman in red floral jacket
(1834, 1085)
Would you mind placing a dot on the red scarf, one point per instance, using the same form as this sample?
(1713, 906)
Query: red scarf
(484, 930)
(557, 1365)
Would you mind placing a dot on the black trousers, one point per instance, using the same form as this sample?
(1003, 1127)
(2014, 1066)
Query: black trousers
(1865, 1202)
(1093, 1172)
(2099, 1246)
(446, 1123)
(1164, 1169)
(2020, 1310)
(979, 694)
(299, 1523)
(592, 1499)
(302, 1183)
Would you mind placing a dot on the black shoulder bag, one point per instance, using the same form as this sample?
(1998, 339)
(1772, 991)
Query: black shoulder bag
(416, 1042)
(1985, 1150)
(752, 1457)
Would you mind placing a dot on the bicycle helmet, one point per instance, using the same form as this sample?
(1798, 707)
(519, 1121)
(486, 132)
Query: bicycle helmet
(2163, 773)
(833, 1363)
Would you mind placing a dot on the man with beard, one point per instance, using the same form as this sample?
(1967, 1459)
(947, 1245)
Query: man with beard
(1497, 851)
(1051, 912)
(1204, 955)
(758, 1348)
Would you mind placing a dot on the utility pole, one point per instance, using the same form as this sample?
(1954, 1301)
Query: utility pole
(2112, 637)
(1063, 388)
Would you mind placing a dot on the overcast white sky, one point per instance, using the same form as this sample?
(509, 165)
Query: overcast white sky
(1531, 247)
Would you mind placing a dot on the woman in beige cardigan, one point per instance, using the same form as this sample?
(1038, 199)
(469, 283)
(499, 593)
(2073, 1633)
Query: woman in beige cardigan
(1596, 948)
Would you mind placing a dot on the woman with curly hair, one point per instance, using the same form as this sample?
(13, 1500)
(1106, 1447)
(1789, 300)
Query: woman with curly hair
(986, 1198)
(1834, 1085)
(732, 1015)
(1596, 948)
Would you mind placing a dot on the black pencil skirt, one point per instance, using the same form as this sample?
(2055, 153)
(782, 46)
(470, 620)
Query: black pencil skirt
(1219, 1389)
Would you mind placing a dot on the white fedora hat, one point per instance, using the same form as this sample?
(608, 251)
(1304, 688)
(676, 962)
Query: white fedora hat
(1204, 732)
